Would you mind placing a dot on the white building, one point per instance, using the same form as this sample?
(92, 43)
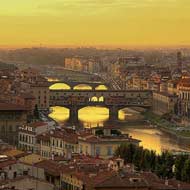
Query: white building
(28, 133)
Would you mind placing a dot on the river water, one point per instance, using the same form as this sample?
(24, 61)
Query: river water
(151, 138)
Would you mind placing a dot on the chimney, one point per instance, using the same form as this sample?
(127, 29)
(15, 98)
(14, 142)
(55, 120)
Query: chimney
(52, 156)
(166, 182)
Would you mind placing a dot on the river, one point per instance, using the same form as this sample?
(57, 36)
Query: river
(151, 138)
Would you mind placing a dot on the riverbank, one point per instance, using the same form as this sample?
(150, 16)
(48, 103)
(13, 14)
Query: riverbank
(167, 127)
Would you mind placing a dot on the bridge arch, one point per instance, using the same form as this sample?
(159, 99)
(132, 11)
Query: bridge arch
(82, 87)
(101, 99)
(60, 86)
(101, 87)
(94, 99)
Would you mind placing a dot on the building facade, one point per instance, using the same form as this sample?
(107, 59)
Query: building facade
(11, 118)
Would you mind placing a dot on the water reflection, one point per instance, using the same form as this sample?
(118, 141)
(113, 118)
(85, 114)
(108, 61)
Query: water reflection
(93, 116)
(96, 116)
(154, 139)
(88, 116)
(59, 114)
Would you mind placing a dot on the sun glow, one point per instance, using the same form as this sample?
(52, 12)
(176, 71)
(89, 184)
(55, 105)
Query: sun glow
(97, 22)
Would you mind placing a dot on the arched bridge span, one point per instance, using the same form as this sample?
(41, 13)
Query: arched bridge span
(111, 99)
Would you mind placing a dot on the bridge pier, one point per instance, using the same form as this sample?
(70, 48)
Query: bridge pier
(73, 115)
(113, 113)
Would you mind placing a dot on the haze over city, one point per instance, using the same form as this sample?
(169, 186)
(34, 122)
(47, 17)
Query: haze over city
(94, 95)
(103, 23)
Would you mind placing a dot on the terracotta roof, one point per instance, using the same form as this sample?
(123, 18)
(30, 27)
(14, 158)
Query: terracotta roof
(184, 82)
(179, 184)
(50, 167)
(37, 124)
(11, 107)
(104, 139)
(62, 134)
(13, 152)
(122, 180)
(7, 163)
(27, 96)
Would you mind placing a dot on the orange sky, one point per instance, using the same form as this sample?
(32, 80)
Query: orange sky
(94, 22)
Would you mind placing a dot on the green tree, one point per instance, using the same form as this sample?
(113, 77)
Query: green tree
(36, 112)
(126, 151)
(179, 165)
(186, 171)
(137, 158)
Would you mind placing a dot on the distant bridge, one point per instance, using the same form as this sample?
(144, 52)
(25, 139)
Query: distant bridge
(114, 100)
(73, 84)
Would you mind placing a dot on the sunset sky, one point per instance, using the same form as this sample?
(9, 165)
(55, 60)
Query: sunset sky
(94, 22)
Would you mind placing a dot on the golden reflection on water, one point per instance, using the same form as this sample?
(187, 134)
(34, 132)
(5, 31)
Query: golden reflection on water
(96, 116)
(59, 114)
(154, 139)
(93, 116)
(89, 116)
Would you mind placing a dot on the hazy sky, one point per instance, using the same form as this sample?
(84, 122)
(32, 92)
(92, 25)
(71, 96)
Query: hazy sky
(94, 22)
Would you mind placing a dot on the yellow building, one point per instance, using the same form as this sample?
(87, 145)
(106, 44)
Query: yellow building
(57, 142)
(164, 103)
(103, 142)
(184, 97)
(40, 91)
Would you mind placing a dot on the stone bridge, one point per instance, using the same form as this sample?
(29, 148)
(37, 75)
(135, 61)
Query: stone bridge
(73, 84)
(114, 100)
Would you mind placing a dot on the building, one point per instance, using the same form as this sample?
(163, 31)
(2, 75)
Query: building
(40, 91)
(164, 103)
(12, 117)
(184, 97)
(28, 133)
(83, 64)
(172, 87)
(25, 99)
(57, 142)
(103, 142)
(26, 183)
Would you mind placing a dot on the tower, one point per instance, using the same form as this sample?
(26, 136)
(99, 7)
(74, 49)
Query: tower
(179, 61)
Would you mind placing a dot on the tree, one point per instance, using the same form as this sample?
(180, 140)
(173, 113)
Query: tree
(126, 151)
(36, 112)
(179, 165)
(186, 171)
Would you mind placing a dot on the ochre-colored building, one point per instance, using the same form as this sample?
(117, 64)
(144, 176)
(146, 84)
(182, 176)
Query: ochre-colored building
(40, 91)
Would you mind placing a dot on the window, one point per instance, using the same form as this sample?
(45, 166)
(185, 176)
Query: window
(81, 149)
(109, 151)
(86, 149)
(98, 151)
(10, 128)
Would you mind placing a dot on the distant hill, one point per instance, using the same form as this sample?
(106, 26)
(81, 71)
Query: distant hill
(5, 66)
